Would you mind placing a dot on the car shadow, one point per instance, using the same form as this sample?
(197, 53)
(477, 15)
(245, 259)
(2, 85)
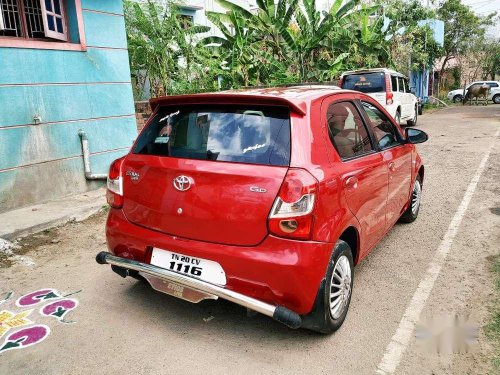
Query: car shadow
(213, 316)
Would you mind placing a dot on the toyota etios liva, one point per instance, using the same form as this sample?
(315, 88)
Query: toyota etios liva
(266, 198)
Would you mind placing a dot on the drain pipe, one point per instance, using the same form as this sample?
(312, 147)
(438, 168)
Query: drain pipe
(86, 158)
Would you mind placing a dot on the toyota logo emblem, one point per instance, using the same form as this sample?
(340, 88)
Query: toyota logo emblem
(182, 183)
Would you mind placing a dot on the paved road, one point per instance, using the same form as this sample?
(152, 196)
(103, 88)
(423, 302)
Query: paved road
(121, 325)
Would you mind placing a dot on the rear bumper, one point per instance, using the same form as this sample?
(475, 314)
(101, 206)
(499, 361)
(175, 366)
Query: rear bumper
(278, 272)
(278, 313)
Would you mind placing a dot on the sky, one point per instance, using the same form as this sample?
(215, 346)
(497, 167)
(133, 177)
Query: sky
(484, 7)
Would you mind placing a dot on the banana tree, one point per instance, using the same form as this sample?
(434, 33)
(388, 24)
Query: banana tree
(308, 31)
(236, 44)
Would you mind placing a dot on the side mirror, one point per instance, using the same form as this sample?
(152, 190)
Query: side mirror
(415, 136)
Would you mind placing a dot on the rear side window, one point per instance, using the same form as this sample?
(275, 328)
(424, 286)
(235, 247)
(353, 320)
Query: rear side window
(367, 83)
(242, 134)
(347, 130)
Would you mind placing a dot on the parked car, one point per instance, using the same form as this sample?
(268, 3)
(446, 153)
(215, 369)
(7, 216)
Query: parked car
(390, 88)
(266, 198)
(457, 95)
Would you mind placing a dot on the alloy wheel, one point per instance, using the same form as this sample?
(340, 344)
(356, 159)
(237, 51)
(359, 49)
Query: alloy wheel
(415, 197)
(340, 287)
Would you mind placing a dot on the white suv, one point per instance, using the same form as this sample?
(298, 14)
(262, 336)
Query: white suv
(388, 87)
(456, 96)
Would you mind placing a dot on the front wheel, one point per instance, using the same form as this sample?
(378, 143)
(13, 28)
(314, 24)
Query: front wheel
(496, 99)
(411, 212)
(458, 99)
(334, 296)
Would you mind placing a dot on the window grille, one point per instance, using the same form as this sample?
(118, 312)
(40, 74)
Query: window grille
(34, 20)
(10, 22)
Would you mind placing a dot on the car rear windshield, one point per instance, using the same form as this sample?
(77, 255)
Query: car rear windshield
(367, 82)
(242, 134)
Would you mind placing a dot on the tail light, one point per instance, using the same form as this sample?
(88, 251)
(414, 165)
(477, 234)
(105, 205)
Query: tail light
(114, 193)
(292, 212)
(388, 92)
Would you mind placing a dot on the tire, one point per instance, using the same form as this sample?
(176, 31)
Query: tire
(398, 117)
(458, 98)
(413, 121)
(323, 318)
(496, 99)
(420, 109)
(411, 213)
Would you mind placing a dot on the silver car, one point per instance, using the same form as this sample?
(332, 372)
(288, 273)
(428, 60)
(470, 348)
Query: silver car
(457, 96)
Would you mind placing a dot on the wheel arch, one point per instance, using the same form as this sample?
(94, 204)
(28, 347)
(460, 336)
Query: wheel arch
(421, 172)
(350, 235)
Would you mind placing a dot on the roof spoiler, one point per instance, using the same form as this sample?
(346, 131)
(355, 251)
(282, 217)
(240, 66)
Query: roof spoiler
(297, 107)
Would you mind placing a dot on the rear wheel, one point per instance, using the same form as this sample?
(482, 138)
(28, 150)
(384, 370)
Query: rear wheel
(334, 297)
(496, 99)
(411, 212)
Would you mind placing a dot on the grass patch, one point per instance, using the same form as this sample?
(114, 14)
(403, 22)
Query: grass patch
(492, 330)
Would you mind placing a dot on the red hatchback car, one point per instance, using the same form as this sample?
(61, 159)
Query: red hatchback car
(266, 198)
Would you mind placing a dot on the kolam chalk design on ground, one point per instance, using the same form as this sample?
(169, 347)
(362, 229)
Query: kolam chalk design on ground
(19, 332)
(36, 297)
(25, 337)
(9, 320)
(6, 297)
(59, 309)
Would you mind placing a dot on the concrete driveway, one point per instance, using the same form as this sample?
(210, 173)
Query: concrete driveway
(123, 326)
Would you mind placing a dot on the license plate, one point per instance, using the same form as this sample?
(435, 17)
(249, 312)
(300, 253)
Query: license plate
(199, 268)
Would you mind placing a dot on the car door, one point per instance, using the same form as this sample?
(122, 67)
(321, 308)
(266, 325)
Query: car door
(362, 171)
(397, 156)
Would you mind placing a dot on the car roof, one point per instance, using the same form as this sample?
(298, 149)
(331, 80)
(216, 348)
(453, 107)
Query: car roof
(374, 70)
(296, 97)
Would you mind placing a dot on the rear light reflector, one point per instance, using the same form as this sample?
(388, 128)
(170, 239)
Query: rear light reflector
(303, 206)
(292, 212)
(114, 193)
(388, 92)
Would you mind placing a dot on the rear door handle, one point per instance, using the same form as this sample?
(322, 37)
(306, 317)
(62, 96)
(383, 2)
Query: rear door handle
(392, 166)
(351, 182)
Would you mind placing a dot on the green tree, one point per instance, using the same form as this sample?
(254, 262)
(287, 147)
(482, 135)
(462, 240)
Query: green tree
(462, 27)
(491, 61)
(161, 51)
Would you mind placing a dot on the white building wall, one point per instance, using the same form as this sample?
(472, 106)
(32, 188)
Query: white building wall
(197, 9)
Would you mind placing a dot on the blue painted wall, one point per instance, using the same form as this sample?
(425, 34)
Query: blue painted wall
(69, 90)
(420, 79)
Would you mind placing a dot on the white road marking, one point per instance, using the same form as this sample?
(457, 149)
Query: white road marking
(399, 342)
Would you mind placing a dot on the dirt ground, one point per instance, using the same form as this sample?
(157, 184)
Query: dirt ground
(123, 326)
